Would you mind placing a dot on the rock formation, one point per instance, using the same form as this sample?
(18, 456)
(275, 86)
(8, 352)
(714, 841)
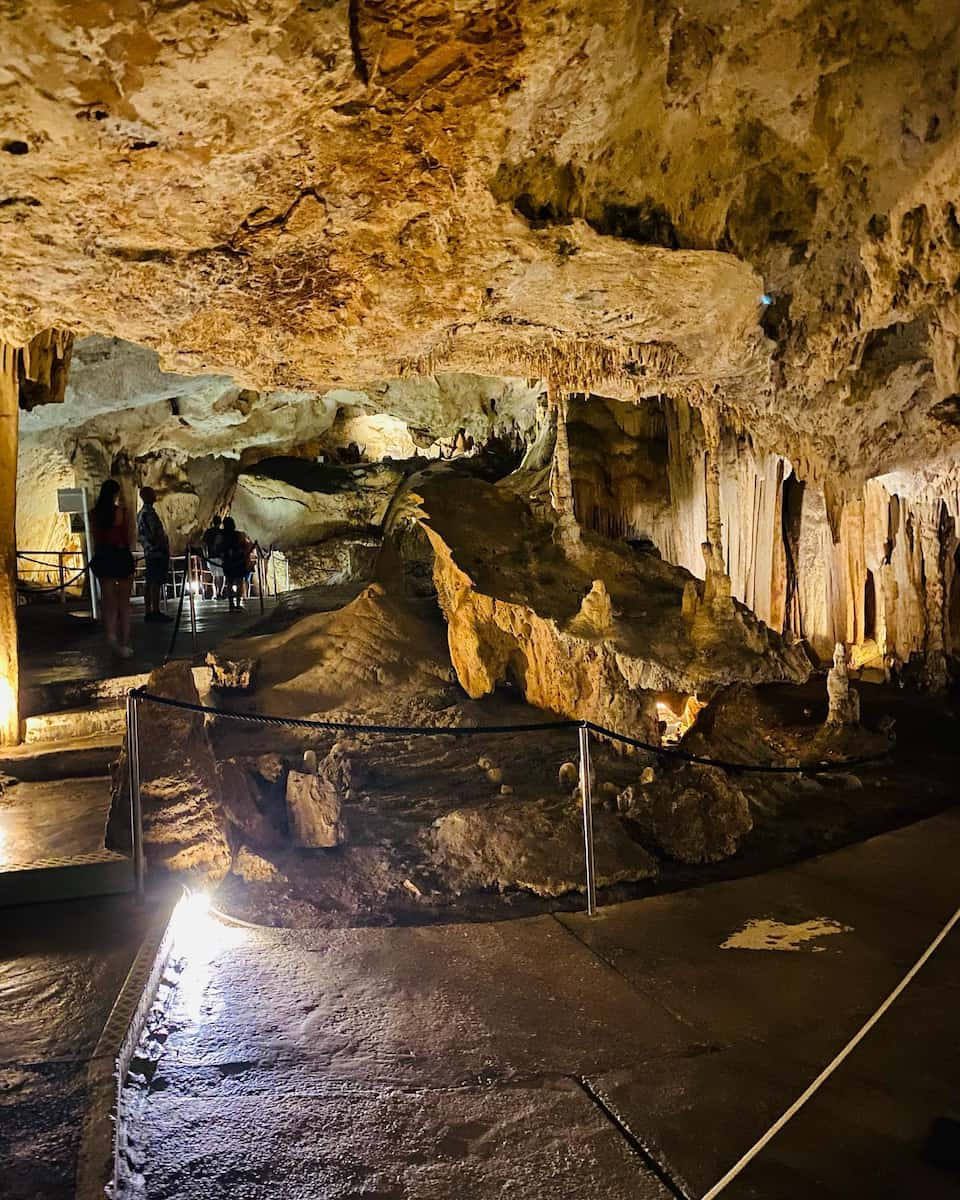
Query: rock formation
(628, 332)
(520, 607)
(692, 814)
(185, 825)
(533, 845)
(314, 804)
(843, 700)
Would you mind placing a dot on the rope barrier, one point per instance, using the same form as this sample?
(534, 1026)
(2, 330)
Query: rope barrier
(472, 730)
(810, 768)
(26, 556)
(353, 726)
(828, 1070)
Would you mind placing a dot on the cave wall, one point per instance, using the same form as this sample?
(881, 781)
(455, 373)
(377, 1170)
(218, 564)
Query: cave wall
(876, 571)
(195, 438)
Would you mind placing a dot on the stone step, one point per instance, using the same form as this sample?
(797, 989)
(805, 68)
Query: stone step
(73, 758)
(77, 693)
(38, 699)
(72, 723)
(101, 873)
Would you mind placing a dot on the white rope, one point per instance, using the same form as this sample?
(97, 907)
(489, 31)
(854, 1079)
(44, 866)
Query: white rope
(831, 1067)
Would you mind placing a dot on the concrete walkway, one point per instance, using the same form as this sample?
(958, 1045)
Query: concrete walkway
(635, 1055)
(52, 819)
(59, 645)
(61, 968)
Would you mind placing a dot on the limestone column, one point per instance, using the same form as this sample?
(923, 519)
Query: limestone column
(561, 482)
(717, 588)
(934, 652)
(711, 431)
(9, 659)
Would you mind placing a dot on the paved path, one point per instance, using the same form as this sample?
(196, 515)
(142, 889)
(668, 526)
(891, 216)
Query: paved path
(60, 645)
(53, 819)
(633, 1055)
(61, 968)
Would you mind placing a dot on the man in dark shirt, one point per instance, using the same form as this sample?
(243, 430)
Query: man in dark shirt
(212, 542)
(156, 554)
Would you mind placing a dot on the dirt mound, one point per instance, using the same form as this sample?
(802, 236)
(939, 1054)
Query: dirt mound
(378, 656)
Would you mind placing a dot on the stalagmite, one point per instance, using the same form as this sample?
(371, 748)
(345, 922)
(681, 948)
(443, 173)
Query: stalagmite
(844, 701)
(9, 663)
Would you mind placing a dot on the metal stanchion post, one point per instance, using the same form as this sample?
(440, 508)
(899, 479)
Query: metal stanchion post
(136, 808)
(63, 575)
(261, 576)
(586, 797)
(188, 583)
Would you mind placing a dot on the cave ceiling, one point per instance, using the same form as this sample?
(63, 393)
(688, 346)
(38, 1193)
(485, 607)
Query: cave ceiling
(309, 194)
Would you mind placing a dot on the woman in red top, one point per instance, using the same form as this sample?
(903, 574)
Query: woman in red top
(113, 565)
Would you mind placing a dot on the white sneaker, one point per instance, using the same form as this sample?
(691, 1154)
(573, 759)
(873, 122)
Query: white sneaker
(122, 651)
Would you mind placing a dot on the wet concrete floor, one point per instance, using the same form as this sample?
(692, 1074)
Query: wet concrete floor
(52, 819)
(61, 644)
(61, 968)
(638, 1054)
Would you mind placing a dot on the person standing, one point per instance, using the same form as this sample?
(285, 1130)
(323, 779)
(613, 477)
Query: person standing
(156, 554)
(113, 565)
(212, 542)
(237, 555)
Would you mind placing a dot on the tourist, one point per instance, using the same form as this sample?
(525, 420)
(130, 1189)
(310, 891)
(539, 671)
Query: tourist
(113, 565)
(156, 554)
(237, 562)
(212, 543)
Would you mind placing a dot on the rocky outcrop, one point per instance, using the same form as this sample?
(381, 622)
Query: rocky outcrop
(593, 634)
(231, 674)
(378, 658)
(534, 845)
(185, 823)
(246, 805)
(691, 814)
(315, 796)
(336, 560)
(294, 502)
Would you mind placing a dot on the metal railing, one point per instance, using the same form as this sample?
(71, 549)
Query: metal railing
(47, 572)
(196, 578)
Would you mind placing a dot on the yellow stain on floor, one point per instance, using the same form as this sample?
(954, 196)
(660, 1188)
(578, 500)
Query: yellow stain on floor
(764, 934)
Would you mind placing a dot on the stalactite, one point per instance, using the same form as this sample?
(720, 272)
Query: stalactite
(570, 364)
(42, 368)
